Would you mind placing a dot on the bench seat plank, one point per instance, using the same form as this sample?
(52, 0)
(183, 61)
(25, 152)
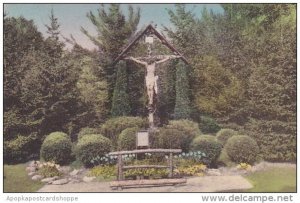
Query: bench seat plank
(137, 183)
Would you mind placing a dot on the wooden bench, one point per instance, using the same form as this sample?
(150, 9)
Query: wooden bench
(144, 183)
(120, 183)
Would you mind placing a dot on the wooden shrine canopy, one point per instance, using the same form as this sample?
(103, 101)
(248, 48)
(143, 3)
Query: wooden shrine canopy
(149, 30)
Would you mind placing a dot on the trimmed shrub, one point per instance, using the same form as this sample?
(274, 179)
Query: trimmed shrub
(209, 145)
(21, 149)
(224, 160)
(242, 149)
(189, 130)
(113, 127)
(127, 139)
(87, 131)
(208, 125)
(188, 127)
(224, 134)
(91, 146)
(57, 147)
(169, 138)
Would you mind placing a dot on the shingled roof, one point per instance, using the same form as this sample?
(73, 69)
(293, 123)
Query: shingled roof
(152, 30)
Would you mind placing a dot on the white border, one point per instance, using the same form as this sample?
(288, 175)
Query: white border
(130, 197)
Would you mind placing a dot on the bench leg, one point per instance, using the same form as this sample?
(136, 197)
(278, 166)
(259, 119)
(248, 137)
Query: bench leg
(120, 168)
(171, 165)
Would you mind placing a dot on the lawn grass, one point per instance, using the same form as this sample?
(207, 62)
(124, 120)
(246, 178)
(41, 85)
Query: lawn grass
(17, 180)
(277, 179)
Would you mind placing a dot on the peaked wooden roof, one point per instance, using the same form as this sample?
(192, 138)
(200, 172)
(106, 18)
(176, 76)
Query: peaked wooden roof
(152, 30)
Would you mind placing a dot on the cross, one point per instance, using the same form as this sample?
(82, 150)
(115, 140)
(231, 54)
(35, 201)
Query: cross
(150, 63)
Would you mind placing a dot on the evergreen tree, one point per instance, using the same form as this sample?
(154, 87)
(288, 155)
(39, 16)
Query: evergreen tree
(166, 96)
(184, 32)
(136, 89)
(182, 105)
(49, 86)
(53, 46)
(242, 71)
(114, 31)
(53, 28)
(120, 100)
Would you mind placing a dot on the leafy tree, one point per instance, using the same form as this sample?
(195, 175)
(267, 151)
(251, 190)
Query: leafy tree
(49, 86)
(120, 101)
(216, 90)
(228, 37)
(20, 36)
(272, 85)
(93, 89)
(49, 92)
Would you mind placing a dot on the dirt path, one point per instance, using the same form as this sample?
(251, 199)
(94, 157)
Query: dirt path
(195, 184)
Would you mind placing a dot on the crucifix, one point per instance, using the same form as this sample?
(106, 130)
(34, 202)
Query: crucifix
(150, 63)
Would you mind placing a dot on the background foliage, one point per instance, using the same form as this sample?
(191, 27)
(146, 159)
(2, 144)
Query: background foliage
(241, 75)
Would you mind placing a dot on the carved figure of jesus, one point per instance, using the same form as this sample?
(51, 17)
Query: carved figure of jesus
(150, 65)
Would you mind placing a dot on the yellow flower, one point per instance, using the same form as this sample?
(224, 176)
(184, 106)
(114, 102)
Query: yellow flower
(244, 166)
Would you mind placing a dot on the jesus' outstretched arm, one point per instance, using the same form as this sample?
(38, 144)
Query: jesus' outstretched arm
(167, 58)
(137, 61)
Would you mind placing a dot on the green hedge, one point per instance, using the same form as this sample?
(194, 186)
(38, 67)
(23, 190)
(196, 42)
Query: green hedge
(21, 149)
(276, 140)
(57, 147)
(127, 139)
(210, 146)
(113, 127)
(91, 146)
(242, 149)
(190, 128)
(184, 132)
(224, 134)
